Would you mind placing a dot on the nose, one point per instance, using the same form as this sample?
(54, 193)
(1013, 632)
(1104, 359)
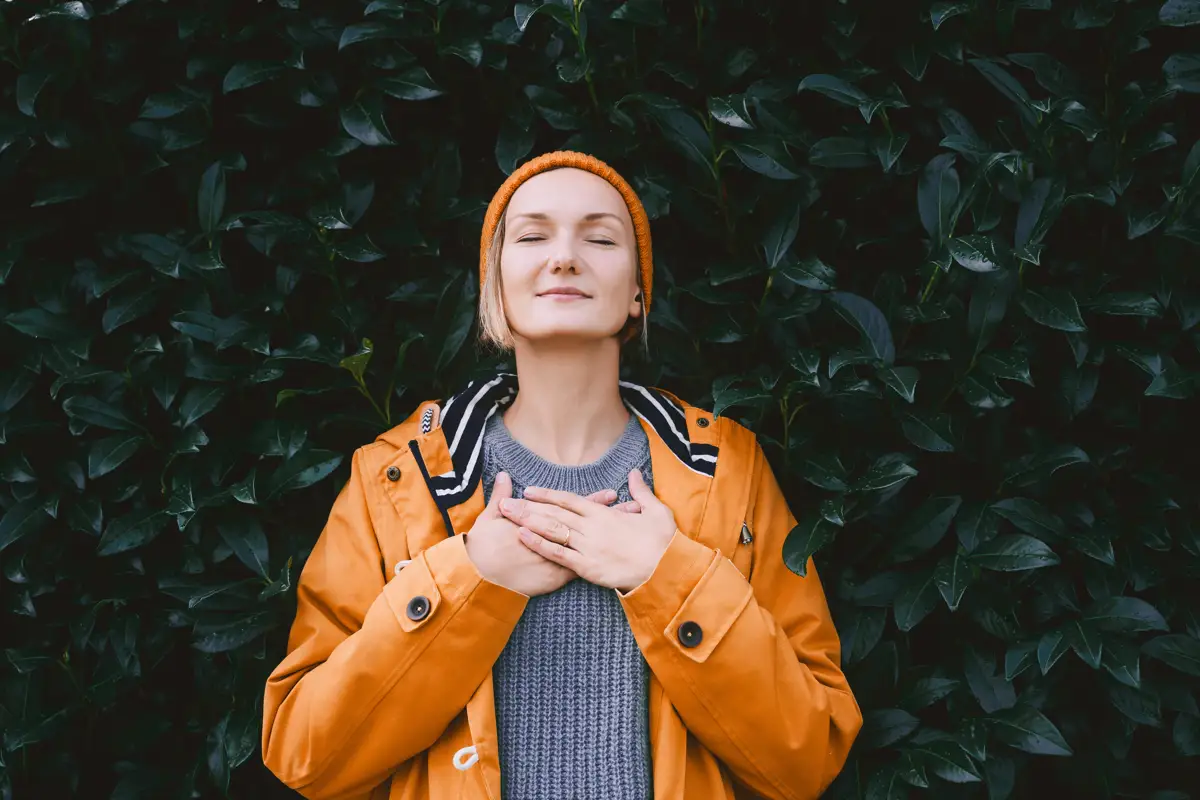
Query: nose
(564, 259)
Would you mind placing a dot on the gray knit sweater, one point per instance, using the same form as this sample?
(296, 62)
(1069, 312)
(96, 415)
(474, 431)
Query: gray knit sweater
(571, 684)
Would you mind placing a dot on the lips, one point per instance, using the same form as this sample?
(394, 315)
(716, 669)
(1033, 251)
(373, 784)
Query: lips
(564, 291)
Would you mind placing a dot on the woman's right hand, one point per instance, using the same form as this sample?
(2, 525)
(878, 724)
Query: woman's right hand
(495, 549)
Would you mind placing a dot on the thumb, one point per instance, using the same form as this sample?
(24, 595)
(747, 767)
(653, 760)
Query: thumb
(640, 491)
(501, 490)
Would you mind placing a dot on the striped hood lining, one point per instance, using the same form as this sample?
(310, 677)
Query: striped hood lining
(465, 416)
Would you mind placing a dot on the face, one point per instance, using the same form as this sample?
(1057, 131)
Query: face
(568, 266)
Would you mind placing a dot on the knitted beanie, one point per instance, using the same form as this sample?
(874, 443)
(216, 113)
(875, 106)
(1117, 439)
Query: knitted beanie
(568, 158)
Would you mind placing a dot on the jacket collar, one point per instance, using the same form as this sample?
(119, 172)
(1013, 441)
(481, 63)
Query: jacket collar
(464, 417)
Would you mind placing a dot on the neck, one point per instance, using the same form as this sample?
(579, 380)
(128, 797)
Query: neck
(568, 409)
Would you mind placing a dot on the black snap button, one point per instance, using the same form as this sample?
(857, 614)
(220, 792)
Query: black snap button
(702, 422)
(393, 473)
(418, 608)
(690, 634)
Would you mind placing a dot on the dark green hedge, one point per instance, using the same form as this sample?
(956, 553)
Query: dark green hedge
(941, 257)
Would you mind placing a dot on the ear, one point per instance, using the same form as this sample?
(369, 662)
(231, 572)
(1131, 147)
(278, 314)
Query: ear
(635, 305)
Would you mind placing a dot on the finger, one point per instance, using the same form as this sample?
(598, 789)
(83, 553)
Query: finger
(551, 551)
(501, 490)
(567, 500)
(548, 525)
(639, 489)
(629, 507)
(603, 497)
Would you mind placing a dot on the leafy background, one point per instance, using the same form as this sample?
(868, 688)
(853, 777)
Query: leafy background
(941, 257)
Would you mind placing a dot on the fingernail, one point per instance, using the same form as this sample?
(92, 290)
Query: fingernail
(508, 505)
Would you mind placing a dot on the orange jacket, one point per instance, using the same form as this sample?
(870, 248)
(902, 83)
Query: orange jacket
(386, 690)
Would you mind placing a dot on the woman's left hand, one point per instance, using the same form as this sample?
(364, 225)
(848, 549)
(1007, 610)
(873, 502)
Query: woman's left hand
(605, 546)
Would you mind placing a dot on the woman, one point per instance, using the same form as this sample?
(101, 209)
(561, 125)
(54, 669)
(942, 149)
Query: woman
(563, 646)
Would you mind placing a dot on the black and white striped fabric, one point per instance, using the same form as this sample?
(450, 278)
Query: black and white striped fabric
(465, 415)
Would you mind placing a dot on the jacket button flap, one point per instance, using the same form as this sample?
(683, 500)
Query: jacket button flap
(690, 634)
(418, 608)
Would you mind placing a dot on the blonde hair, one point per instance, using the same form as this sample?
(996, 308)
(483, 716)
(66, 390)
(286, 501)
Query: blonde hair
(493, 323)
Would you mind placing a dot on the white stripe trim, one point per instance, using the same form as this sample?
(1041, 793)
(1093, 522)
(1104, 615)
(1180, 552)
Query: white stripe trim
(467, 413)
(642, 391)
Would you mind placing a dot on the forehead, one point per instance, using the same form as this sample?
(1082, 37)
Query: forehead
(567, 193)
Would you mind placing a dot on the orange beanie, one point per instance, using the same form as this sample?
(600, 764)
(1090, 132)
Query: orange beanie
(568, 158)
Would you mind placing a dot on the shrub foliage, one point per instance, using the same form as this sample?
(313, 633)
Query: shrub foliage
(942, 257)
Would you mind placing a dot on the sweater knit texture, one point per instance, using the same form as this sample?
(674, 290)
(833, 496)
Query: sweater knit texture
(571, 685)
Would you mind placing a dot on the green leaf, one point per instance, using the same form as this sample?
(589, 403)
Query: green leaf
(950, 762)
(97, 412)
(976, 253)
(1031, 517)
(901, 380)
(928, 431)
(1121, 660)
(1007, 86)
(730, 110)
(356, 364)
(29, 86)
(210, 200)
(107, 454)
(412, 84)
(251, 73)
(1013, 553)
(869, 321)
(245, 537)
(916, 599)
(1034, 468)
(883, 727)
(365, 123)
(889, 148)
(834, 88)
(1182, 71)
(1174, 382)
(1086, 643)
(302, 470)
(988, 306)
(1186, 734)
(937, 194)
(779, 237)
(73, 9)
(523, 13)
(1052, 307)
(803, 540)
(953, 575)
(1051, 647)
(368, 31)
(1125, 615)
(198, 401)
(811, 273)
(1009, 365)
(824, 470)
(888, 470)
(841, 152)
(927, 525)
(1131, 304)
(940, 12)
(131, 531)
(641, 12)
(223, 637)
(20, 520)
(763, 162)
(42, 324)
(1027, 729)
(1179, 13)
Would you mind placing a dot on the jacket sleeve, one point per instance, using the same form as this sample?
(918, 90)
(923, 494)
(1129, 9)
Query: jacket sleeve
(365, 685)
(760, 684)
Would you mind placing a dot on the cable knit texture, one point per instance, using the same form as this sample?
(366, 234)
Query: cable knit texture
(571, 685)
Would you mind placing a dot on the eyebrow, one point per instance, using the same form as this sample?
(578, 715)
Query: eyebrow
(541, 215)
